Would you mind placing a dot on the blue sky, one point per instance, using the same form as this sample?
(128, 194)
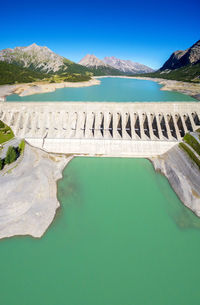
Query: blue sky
(143, 31)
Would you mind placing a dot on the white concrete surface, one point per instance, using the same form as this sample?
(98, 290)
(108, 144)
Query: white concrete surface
(102, 128)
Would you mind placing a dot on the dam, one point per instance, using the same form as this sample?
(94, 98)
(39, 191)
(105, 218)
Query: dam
(102, 128)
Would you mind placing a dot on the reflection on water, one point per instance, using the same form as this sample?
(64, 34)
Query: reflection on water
(185, 219)
(71, 188)
(68, 190)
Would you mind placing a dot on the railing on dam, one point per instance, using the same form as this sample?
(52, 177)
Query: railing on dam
(79, 123)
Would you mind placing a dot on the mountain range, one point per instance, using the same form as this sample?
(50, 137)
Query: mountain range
(124, 66)
(36, 63)
(98, 66)
(127, 66)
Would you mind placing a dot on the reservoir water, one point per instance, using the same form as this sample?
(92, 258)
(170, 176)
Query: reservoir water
(111, 90)
(121, 236)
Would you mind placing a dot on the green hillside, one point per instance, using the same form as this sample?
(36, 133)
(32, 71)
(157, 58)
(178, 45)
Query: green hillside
(36, 63)
(10, 74)
(72, 67)
(189, 73)
(13, 74)
(102, 71)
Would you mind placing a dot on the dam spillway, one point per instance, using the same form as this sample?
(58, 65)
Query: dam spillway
(102, 128)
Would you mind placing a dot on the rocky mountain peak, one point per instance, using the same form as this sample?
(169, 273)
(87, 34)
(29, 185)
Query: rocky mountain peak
(33, 45)
(194, 53)
(126, 66)
(180, 59)
(39, 58)
(91, 60)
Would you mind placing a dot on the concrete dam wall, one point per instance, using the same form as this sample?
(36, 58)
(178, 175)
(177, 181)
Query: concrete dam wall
(102, 128)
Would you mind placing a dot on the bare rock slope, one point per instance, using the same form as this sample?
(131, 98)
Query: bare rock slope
(28, 200)
(180, 59)
(92, 61)
(98, 66)
(127, 66)
(34, 57)
(183, 175)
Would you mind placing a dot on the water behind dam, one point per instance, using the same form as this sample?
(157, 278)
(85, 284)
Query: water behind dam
(111, 89)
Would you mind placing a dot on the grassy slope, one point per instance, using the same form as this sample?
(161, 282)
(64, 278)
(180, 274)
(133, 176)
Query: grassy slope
(13, 73)
(190, 73)
(191, 141)
(102, 71)
(66, 77)
(10, 74)
(6, 133)
(76, 68)
(190, 154)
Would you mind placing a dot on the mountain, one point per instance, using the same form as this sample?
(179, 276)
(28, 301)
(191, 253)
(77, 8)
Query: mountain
(91, 61)
(40, 59)
(189, 73)
(34, 57)
(36, 63)
(127, 66)
(181, 65)
(113, 65)
(97, 66)
(181, 59)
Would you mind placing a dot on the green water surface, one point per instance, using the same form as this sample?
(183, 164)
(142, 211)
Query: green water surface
(111, 89)
(121, 237)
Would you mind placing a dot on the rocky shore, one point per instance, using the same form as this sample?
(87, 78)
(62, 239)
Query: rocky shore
(29, 190)
(29, 193)
(183, 175)
(192, 89)
(39, 87)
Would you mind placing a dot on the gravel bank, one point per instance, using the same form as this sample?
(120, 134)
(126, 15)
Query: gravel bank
(183, 175)
(35, 88)
(191, 89)
(28, 201)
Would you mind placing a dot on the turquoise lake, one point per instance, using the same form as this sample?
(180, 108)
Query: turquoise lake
(111, 89)
(121, 236)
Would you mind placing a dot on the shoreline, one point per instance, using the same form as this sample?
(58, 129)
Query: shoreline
(29, 193)
(191, 89)
(182, 175)
(32, 211)
(37, 88)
